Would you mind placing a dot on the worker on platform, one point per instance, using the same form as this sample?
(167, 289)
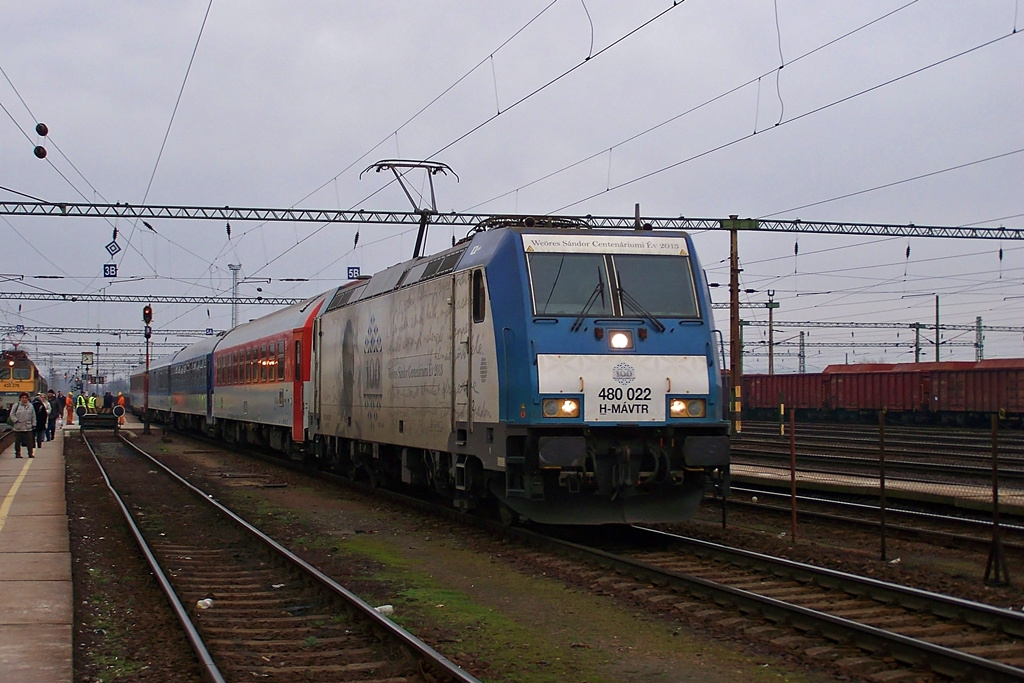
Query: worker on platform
(52, 415)
(81, 402)
(69, 406)
(121, 402)
(42, 408)
(91, 403)
(22, 419)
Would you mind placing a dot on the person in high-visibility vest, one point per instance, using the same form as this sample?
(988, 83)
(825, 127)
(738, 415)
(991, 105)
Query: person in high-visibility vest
(121, 402)
(80, 402)
(70, 407)
(91, 402)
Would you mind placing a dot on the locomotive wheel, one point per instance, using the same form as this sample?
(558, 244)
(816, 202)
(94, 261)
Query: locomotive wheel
(506, 515)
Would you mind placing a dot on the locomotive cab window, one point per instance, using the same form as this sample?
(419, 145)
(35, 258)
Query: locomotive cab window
(479, 297)
(22, 373)
(612, 285)
(563, 284)
(659, 285)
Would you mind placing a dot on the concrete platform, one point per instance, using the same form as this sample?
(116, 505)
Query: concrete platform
(36, 613)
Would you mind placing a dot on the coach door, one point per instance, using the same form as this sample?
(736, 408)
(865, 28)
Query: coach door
(462, 354)
(298, 396)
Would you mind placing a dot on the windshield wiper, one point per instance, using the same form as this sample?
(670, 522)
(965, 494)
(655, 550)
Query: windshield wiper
(598, 290)
(628, 298)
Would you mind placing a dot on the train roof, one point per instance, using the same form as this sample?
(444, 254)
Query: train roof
(157, 363)
(197, 350)
(946, 366)
(285, 319)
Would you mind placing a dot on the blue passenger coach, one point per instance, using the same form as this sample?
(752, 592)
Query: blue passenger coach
(569, 375)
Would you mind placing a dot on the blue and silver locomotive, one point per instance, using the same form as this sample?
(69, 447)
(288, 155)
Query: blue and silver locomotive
(568, 376)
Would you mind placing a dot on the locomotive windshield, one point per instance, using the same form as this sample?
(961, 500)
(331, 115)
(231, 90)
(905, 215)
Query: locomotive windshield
(612, 285)
(564, 283)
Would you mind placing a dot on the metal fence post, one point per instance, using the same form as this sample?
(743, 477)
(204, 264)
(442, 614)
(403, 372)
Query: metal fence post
(881, 478)
(792, 475)
(996, 572)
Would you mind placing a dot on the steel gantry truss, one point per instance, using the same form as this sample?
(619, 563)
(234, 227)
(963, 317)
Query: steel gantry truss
(140, 298)
(148, 299)
(228, 213)
(50, 343)
(116, 332)
(885, 326)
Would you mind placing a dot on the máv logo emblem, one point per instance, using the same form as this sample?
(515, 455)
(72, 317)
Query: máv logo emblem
(623, 374)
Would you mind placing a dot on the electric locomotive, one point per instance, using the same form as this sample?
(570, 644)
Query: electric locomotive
(559, 374)
(17, 374)
(569, 375)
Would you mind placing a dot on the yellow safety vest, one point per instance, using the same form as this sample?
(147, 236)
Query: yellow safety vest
(92, 402)
(80, 401)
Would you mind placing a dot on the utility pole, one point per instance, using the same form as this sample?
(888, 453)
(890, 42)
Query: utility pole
(936, 328)
(772, 305)
(917, 342)
(803, 354)
(979, 340)
(234, 268)
(147, 318)
(735, 346)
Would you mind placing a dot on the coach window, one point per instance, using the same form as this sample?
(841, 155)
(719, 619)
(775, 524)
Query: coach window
(248, 365)
(280, 360)
(255, 364)
(479, 297)
(263, 363)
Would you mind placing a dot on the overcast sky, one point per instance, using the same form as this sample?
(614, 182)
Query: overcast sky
(886, 111)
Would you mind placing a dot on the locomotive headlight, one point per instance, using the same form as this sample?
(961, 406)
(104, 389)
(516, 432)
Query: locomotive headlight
(561, 407)
(621, 339)
(687, 407)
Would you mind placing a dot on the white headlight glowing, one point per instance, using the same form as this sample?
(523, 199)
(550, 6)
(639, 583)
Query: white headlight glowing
(621, 339)
(682, 407)
(561, 407)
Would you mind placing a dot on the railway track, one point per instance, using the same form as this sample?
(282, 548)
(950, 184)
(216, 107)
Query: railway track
(820, 611)
(948, 530)
(827, 614)
(252, 609)
(859, 624)
(917, 457)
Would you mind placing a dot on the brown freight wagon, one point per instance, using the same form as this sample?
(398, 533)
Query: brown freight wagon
(804, 392)
(951, 392)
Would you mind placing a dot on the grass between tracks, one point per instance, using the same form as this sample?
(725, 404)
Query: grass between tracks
(499, 622)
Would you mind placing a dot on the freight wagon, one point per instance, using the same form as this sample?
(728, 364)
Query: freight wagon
(950, 392)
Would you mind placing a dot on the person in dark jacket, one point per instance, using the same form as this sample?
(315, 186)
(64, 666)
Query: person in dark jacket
(23, 420)
(108, 403)
(42, 409)
(51, 418)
